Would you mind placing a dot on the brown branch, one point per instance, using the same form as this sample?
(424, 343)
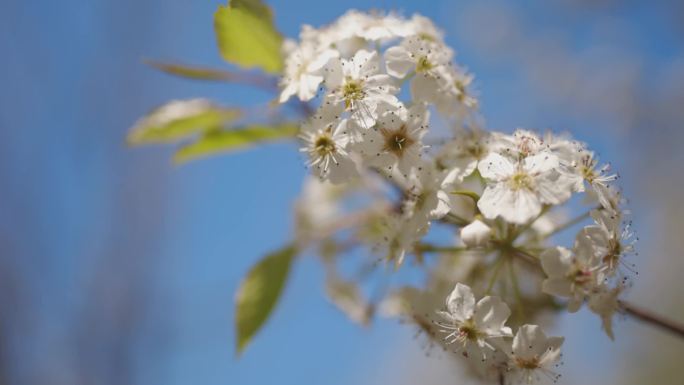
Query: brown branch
(652, 318)
(637, 312)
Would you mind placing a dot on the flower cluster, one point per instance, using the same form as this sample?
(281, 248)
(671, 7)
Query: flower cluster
(480, 327)
(377, 80)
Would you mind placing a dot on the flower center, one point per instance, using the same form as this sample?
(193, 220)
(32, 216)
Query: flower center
(423, 65)
(461, 88)
(532, 363)
(580, 276)
(521, 181)
(468, 331)
(324, 145)
(476, 150)
(614, 252)
(352, 91)
(397, 141)
(426, 37)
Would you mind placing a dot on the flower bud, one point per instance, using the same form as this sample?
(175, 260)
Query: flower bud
(476, 234)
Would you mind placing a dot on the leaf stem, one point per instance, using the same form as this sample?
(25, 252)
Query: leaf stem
(495, 274)
(516, 288)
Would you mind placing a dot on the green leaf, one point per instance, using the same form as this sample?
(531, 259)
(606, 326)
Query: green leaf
(247, 37)
(259, 292)
(197, 73)
(255, 7)
(179, 119)
(222, 141)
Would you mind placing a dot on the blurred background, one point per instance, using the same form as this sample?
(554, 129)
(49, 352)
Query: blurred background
(118, 268)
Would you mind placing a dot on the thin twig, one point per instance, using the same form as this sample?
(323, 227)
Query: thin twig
(430, 248)
(570, 223)
(653, 319)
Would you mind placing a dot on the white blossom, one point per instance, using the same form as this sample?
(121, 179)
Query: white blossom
(396, 140)
(604, 302)
(517, 190)
(607, 240)
(399, 236)
(570, 275)
(325, 140)
(428, 194)
(474, 325)
(358, 85)
(598, 178)
(534, 354)
(464, 152)
(303, 72)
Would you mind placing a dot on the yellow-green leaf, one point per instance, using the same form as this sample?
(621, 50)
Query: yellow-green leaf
(256, 7)
(247, 37)
(179, 119)
(259, 292)
(222, 141)
(192, 72)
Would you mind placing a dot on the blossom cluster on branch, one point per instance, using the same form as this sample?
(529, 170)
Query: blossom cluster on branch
(405, 173)
(379, 80)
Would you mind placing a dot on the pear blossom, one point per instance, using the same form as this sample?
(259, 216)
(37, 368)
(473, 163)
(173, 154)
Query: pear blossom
(316, 208)
(520, 144)
(464, 152)
(347, 297)
(396, 140)
(570, 275)
(417, 55)
(476, 234)
(598, 178)
(326, 142)
(303, 72)
(474, 325)
(517, 190)
(604, 302)
(428, 194)
(430, 65)
(399, 236)
(534, 354)
(359, 86)
(456, 98)
(607, 240)
(424, 28)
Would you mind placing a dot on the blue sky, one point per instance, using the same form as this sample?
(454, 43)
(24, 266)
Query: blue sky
(94, 229)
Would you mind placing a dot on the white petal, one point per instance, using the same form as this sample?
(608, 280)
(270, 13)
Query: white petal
(556, 261)
(523, 205)
(496, 167)
(443, 205)
(461, 302)
(529, 342)
(552, 352)
(540, 163)
(492, 199)
(557, 286)
(399, 61)
(491, 314)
